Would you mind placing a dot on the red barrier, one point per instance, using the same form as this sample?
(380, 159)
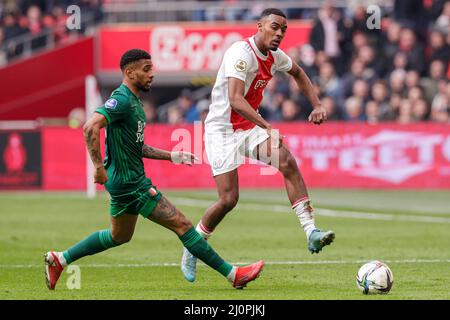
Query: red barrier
(331, 155)
(184, 47)
(48, 84)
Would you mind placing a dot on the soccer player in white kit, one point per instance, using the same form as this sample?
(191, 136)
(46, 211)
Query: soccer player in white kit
(234, 129)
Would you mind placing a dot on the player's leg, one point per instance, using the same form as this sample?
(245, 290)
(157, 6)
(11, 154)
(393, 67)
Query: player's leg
(297, 192)
(227, 185)
(121, 231)
(228, 191)
(168, 216)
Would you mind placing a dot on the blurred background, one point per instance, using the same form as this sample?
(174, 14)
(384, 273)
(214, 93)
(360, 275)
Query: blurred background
(382, 75)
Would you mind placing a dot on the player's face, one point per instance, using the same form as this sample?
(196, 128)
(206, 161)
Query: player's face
(273, 28)
(144, 74)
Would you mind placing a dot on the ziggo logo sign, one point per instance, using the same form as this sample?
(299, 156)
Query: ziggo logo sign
(173, 48)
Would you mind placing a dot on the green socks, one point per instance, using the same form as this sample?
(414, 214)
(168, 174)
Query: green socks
(102, 240)
(200, 248)
(97, 242)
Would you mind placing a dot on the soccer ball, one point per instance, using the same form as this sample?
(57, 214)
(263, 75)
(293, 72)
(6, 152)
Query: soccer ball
(374, 277)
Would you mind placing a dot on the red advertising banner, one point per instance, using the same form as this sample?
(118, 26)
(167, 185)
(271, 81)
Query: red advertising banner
(53, 83)
(335, 155)
(184, 47)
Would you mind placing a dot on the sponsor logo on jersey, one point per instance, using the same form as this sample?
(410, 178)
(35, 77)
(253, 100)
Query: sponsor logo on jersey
(260, 84)
(111, 104)
(240, 65)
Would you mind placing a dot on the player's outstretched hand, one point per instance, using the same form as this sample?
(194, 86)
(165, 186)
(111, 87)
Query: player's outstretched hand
(100, 175)
(318, 115)
(183, 157)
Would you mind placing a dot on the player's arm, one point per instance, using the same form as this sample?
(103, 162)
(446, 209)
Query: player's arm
(174, 156)
(318, 115)
(236, 89)
(91, 131)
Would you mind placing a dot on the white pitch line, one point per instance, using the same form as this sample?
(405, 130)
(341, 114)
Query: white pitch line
(321, 212)
(170, 264)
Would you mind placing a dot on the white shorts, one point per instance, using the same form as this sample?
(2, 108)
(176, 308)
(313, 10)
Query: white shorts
(227, 151)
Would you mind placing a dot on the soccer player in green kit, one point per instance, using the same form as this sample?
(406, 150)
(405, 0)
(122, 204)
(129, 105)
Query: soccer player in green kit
(132, 193)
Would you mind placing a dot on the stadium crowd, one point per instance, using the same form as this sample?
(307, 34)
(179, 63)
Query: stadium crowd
(398, 73)
(42, 22)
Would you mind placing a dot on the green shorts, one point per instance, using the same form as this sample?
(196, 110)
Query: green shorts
(141, 201)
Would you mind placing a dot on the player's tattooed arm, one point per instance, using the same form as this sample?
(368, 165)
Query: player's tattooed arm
(174, 156)
(91, 132)
(154, 153)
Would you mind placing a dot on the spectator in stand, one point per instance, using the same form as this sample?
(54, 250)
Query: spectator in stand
(394, 106)
(324, 33)
(420, 110)
(300, 99)
(397, 81)
(440, 107)
(372, 112)
(372, 66)
(400, 62)
(443, 21)
(415, 94)
(361, 90)
(11, 30)
(151, 114)
(414, 51)
(327, 80)
(36, 27)
(186, 103)
(333, 113)
(430, 84)
(390, 45)
(380, 95)
(306, 62)
(174, 115)
(203, 108)
(60, 19)
(412, 79)
(347, 81)
(405, 114)
(440, 50)
(353, 109)
(289, 110)
(270, 107)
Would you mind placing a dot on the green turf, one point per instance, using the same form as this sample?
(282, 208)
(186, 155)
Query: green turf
(417, 252)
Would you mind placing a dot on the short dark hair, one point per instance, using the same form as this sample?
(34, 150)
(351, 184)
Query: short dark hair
(131, 56)
(269, 11)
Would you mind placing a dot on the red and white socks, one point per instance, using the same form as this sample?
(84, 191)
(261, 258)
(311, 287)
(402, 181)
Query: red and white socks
(204, 232)
(305, 213)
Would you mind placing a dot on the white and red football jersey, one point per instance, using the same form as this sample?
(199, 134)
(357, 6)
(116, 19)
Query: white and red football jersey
(243, 61)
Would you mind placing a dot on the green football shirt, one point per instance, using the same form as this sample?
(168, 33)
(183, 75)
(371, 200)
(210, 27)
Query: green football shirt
(124, 140)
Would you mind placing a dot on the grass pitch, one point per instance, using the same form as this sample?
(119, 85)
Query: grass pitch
(410, 230)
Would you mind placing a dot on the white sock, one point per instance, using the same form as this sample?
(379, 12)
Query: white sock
(204, 232)
(61, 259)
(232, 275)
(305, 214)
